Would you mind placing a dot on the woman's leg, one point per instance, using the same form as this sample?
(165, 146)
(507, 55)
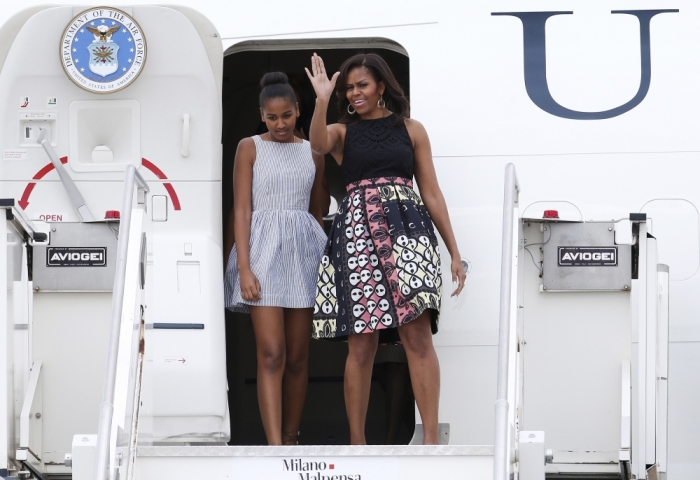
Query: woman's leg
(268, 324)
(297, 334)
(424, 368)
(397, 386)
(358, 379)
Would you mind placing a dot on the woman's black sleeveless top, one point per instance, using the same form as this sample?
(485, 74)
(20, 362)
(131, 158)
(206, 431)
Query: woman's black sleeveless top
(377, 148)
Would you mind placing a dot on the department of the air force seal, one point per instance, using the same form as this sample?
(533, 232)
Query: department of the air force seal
(103, 50)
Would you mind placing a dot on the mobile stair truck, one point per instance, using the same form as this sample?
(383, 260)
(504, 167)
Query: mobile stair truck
(113, 351)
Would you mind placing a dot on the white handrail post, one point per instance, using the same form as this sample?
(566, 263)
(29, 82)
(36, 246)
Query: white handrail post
(107, 405)
(5, 342)
(501, 447)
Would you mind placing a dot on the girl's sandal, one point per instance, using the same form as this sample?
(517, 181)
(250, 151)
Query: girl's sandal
(290, 438)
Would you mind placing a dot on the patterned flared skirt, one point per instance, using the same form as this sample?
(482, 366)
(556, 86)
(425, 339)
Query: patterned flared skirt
(381, 266)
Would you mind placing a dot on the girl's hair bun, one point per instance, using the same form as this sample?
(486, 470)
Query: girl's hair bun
(273, 78)
(275, 85)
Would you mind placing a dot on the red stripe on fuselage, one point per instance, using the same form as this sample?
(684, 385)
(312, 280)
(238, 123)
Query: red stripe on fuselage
(168, 186)
(64, 160)
(40, 174)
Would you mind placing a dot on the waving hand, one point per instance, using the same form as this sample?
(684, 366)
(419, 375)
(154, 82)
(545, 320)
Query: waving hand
(319, 79)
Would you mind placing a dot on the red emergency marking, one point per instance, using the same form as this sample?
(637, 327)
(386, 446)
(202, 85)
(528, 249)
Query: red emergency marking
(168, 186)
(40, 174)
(173, 195)
(51, 217)
(24, 201)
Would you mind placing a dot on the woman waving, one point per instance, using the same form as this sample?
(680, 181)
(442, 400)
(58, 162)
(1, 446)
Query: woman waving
(380, 271)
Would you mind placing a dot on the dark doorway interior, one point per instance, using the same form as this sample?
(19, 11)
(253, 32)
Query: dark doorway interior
(324, 421)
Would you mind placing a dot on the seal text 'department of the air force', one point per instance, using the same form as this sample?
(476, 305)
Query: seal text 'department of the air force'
(103, 50)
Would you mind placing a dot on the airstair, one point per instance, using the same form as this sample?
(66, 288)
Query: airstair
(551, 357)
(121, 448)
(583, 346)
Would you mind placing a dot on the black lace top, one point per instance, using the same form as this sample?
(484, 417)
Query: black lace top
(377, 148)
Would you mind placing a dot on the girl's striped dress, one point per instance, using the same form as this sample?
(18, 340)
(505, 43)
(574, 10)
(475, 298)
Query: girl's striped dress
(286, 241)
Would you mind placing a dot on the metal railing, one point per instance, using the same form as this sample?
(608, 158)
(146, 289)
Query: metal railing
(25, 227)
(107, 406)
(501, 441)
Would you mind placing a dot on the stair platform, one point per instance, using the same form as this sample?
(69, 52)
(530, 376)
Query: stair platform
(315, 462)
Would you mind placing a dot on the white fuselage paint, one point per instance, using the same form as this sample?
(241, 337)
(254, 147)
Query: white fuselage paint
(468, 89)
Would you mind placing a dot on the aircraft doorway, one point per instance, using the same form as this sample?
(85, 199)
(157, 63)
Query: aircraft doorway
(324, 421)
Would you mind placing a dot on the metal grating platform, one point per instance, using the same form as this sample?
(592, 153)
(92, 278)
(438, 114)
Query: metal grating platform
(317, 451)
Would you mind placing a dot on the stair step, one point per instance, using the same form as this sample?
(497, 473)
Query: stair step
(315, 462)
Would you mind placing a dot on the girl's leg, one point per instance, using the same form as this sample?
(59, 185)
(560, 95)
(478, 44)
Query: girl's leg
(297, 333)
(268, 324)
(358, 379)
(424, 368)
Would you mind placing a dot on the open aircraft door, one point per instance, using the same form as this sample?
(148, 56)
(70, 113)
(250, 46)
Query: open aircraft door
(84, 94)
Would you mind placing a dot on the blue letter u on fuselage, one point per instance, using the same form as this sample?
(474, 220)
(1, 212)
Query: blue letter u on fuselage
(535, 63)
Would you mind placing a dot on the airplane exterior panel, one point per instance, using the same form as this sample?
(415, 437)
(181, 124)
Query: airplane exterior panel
(596, 104)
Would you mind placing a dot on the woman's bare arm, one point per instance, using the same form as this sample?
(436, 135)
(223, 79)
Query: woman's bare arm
(323, 138)
(242, 201)
(433, 198)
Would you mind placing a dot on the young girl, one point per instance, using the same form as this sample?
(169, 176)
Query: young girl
(381, 267)
(272, 267)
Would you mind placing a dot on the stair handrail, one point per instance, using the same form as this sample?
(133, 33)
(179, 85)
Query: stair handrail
(501, 443)
(132, 176)
(25, 227)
